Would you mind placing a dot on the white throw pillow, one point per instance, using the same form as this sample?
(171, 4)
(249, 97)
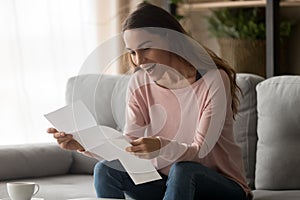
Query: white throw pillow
(278, 147)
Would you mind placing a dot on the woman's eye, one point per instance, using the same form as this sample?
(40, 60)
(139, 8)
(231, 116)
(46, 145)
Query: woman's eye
(133, 53)
(146, 49)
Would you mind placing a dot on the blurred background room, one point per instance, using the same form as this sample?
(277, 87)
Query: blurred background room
(45, 42)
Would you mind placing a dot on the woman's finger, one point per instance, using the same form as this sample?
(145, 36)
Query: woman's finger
(61, 135)
(51, 130)
(144, 155)
(138, 148)
(136, 142)
(63, 140)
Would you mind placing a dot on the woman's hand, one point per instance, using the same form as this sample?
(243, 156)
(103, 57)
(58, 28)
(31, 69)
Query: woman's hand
(145, 147)
(65, 141)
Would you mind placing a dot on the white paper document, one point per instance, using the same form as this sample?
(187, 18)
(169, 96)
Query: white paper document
(103, 141)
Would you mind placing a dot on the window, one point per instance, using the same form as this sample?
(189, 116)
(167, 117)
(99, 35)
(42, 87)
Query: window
(42, 44)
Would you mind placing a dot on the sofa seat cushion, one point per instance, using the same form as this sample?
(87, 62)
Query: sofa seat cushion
(276, 195)
(33, 160)
(278, 128)
(60, 187)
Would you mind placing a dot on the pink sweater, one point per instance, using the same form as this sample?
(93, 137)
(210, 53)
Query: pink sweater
(193, 123)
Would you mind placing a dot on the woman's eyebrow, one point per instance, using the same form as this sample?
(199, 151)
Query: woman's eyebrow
(140, 45)
(143, 43)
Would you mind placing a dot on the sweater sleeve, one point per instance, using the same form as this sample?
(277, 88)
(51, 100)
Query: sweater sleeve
(210, 125)
(136, 114)
(135, 126)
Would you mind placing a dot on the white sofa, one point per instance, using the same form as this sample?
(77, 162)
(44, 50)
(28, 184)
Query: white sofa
(60, 174)
(267, 128)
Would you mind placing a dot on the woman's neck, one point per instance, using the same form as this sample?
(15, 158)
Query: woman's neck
(182, 75)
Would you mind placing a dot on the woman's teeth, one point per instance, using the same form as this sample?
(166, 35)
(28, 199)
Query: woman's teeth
(149, 69)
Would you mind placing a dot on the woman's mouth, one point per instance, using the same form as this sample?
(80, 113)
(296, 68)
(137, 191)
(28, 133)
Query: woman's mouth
(150, 68)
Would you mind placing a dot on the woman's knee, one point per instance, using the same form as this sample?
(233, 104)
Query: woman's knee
(178, 171)
(99, 168)
(180, 167)
(179, 177)
(186, 169)
(107, 168)
(104, 172)
(177, 168)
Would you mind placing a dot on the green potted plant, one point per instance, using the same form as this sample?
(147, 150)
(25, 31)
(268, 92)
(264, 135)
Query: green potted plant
(241, 34)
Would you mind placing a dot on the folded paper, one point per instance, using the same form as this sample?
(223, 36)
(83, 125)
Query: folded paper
(102, 141)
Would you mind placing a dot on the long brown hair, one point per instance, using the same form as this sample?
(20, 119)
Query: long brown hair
(148, 15)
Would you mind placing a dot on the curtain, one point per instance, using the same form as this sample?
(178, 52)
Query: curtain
(42, 44)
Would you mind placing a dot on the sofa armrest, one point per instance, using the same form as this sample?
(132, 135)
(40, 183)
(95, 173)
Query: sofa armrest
(33, 160)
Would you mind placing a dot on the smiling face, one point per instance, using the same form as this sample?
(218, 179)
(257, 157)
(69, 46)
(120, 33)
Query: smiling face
(147, 51)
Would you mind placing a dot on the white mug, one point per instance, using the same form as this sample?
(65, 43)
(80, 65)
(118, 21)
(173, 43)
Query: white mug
(22, 190)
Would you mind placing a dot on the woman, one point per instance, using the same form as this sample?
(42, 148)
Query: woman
(179, 115)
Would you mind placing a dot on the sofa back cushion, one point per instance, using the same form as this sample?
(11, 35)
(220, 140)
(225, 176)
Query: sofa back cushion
(244, 127)
(278, 160)
(95, 91)
(104, 95)
(82, 164)
(119, 101)
(33, 160)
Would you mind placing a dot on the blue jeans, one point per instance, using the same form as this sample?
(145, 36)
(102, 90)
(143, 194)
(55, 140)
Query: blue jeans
(186, 181)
